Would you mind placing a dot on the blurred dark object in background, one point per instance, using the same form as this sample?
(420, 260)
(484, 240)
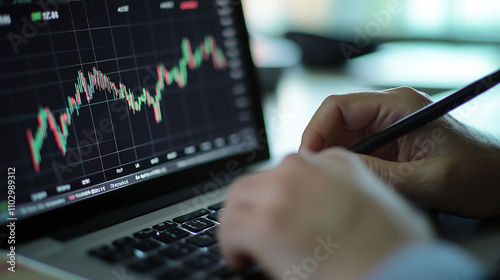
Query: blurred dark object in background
(323, 51)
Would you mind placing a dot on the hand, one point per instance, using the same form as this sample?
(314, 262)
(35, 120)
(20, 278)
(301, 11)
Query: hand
(323, 216)
(445, 165)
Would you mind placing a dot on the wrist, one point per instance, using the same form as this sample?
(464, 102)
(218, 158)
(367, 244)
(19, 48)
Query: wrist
(374, 238)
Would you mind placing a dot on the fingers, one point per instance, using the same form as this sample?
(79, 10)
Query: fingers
(232, 234)
(259, 223)
(236, 242)
(275, 218)
(329, 124)
(345, 120)
(254, 212)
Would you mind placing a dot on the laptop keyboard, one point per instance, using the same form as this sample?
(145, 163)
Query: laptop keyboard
(184, 248)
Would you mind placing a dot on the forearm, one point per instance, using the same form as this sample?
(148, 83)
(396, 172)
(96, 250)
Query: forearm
(473, 173)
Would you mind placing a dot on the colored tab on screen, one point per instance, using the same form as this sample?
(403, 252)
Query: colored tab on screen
(189, 5)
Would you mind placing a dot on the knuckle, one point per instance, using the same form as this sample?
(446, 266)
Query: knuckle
(333, 98)
(416, 97)
(332, 101)
(292, 162)
(406, 89)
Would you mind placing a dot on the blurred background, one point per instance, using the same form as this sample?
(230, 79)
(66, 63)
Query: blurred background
(455, 20)
(306, 50)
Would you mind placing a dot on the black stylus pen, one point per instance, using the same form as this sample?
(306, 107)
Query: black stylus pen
(425, 115)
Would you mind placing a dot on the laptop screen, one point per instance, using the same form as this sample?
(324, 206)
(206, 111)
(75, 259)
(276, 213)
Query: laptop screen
(98, 96)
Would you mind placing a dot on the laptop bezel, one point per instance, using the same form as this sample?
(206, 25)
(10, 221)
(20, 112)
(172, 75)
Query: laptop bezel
(116, 206)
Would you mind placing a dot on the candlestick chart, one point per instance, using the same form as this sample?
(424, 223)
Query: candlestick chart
(50, 125)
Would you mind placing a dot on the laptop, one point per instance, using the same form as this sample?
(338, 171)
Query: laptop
(122, 124)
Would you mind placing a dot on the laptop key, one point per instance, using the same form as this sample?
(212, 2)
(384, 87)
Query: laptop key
(147, 264)
(213, 231)
(146, 245)
(111, 255)
(101, 251)
(202, 240)
(163, 226)
(203, 260)
(173, 274)
(198, 225)
(178, 250)
(118, 255)
(124, 242)
(145, 233)
(122, 254)
(214, 217)
(190, 216)
(216, 207)
(214, 249)
(171, 235)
